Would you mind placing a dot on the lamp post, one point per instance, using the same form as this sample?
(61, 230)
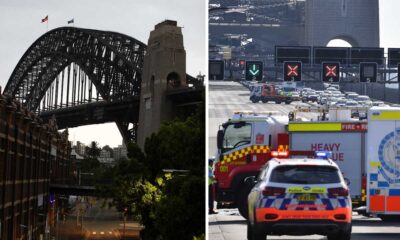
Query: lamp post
(125, 213)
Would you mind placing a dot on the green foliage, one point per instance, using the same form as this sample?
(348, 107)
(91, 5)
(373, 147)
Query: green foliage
(93, 151)
(201, 237)
(89, 164)
(108, 149)
(160, 201)
(183, 199)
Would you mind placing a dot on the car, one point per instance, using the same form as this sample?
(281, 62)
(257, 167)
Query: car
(300, 196)
(352, 104)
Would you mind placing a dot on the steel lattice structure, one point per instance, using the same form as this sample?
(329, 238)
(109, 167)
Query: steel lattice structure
(84, 76)
(112, 61)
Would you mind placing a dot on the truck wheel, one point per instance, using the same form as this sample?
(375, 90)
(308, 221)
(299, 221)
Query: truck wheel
(264, 100)
(242, 202)
(341, 234)
(278, 102)
(287, 102)
(255, 99)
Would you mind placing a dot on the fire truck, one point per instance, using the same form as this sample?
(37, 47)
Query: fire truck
(245, 143)
(269, 93)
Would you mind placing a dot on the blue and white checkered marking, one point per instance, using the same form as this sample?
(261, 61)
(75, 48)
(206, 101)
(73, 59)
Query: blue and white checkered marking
(280, 202)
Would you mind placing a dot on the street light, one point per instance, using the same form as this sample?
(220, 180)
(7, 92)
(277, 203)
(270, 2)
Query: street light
(125, 213)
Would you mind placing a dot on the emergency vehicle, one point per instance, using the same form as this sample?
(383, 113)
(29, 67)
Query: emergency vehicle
(244, 145)
(299, 197)
(268, 93)
(383, 162)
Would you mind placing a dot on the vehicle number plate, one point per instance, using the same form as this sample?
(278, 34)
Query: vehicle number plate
(306, 197)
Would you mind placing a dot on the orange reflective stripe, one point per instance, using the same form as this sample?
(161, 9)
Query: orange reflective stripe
(302, 214)
(393, 203)
(377, 203)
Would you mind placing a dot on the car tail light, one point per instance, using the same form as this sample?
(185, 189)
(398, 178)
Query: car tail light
(338, 192)
(273, 191)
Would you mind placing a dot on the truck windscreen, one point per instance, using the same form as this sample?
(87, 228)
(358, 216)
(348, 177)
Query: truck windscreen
(236, 134)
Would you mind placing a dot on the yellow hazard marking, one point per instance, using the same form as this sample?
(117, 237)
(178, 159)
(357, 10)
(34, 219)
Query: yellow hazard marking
(302, 190)
(375, 164)
(239, 154)
(386, 116)
(313, 127)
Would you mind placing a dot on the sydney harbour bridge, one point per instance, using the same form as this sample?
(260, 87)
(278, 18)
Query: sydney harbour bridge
(85, 76)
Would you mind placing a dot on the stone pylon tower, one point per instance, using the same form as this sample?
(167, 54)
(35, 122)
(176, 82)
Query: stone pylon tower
(355, 21)
(164, 70)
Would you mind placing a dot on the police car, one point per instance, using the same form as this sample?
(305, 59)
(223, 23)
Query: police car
(299, 197)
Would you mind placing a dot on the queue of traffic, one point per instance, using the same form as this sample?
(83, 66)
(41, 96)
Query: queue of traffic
(280, 151)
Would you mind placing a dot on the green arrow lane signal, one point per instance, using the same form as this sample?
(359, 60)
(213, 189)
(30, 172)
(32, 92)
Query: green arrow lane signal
(254, 71)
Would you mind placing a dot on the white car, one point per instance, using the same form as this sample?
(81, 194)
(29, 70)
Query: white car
(299, 197)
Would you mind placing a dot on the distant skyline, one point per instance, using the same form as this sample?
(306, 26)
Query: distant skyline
(20, 26)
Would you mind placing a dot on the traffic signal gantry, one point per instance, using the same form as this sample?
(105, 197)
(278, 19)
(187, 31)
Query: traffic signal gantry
(292, 71)
(254, 70)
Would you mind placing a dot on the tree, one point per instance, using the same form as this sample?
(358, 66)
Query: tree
(94, 150)
(108, 149)
(160, 201)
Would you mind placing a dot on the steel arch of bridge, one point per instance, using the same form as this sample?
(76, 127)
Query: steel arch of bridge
(112, 61)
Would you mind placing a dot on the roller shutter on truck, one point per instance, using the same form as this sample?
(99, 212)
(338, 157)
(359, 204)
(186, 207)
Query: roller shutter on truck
(344, 140)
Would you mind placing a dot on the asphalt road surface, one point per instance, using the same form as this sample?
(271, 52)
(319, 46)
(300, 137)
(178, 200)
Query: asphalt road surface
(229, 225)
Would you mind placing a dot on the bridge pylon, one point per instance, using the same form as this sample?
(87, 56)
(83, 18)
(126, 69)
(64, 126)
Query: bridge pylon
(164, 70)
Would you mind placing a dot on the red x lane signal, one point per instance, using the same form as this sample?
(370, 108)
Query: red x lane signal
(330, 71)
(292, 71)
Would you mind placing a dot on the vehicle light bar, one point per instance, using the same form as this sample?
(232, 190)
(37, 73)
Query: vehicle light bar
(322, 154)
(279, 153)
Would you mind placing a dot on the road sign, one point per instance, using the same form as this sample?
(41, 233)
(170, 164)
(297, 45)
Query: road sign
(330, 71)
(254, 70)
(292, 71)
(216, 69)
(368, 71)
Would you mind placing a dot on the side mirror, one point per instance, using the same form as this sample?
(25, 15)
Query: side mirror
(347, 181)
(220, 138)
(250, 181)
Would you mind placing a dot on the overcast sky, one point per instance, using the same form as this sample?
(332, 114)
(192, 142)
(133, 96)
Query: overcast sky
(20, 26)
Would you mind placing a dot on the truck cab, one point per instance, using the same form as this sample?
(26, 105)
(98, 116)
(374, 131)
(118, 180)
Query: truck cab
(244, 145)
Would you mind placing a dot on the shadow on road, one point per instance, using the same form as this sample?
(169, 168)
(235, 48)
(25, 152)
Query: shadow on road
(374, 223)
(374, 236)
(229, 222)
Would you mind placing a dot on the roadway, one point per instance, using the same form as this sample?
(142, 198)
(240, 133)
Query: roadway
(99, 222)
(229, 225)
(228, 97)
